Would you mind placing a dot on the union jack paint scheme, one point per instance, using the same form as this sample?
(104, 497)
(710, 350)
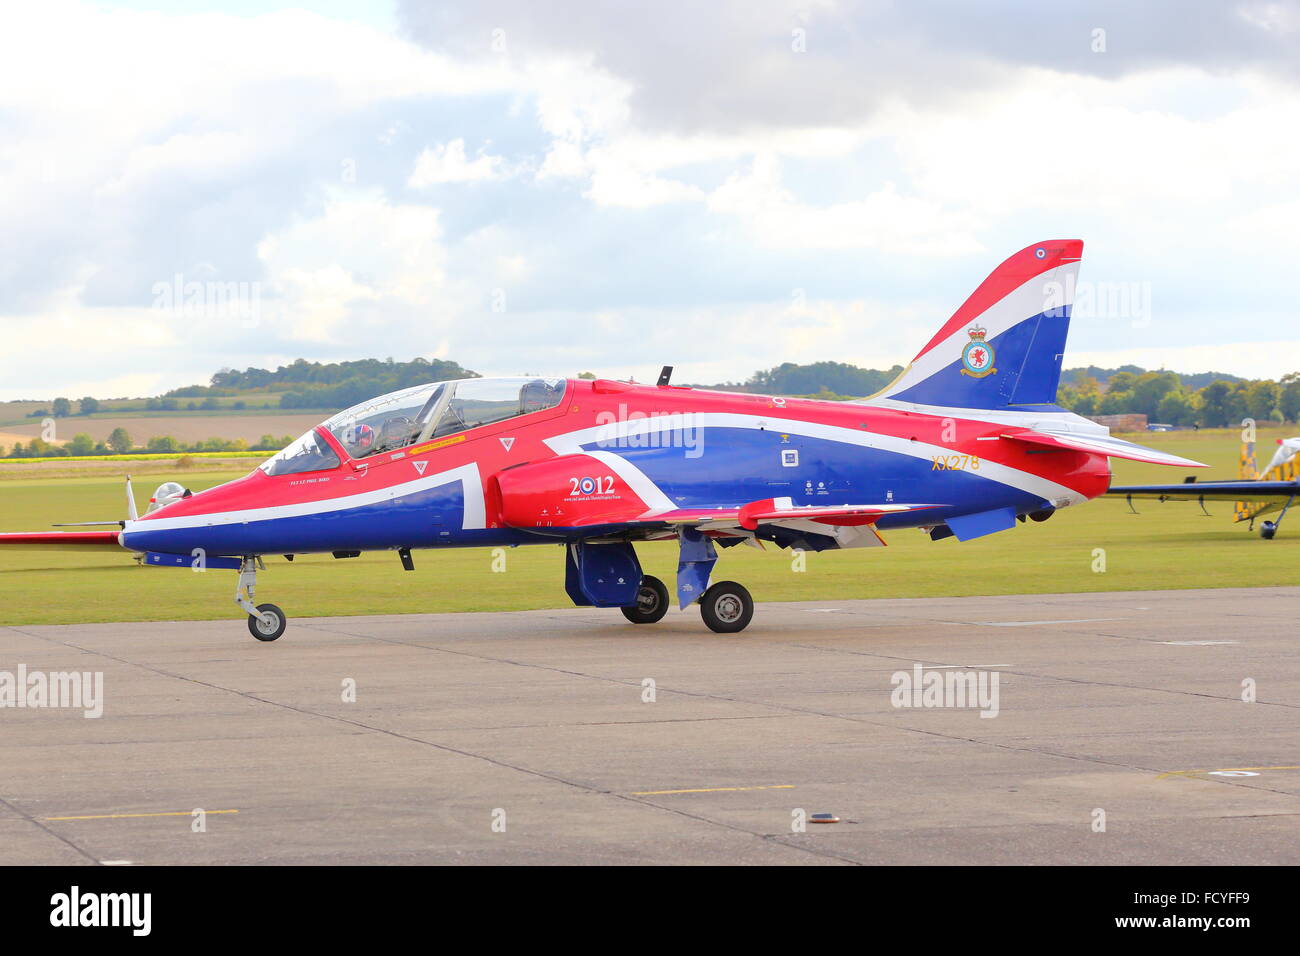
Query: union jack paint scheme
(965, 442)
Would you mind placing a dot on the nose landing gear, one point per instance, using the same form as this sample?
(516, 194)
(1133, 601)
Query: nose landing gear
(266, 622)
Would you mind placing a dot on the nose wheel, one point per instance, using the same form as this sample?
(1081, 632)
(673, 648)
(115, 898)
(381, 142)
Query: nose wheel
(727, 607)
(266, 622)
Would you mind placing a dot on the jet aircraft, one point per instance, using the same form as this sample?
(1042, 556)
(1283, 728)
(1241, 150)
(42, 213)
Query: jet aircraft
(964, 443)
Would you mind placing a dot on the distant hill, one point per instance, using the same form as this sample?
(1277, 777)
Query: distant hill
(306, 384)
(836, 379)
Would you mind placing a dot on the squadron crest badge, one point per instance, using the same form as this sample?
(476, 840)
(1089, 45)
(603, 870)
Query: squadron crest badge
(977, 356)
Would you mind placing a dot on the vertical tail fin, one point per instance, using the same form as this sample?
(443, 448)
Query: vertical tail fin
(1004, 346)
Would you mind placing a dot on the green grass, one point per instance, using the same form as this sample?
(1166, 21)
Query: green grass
(1166, 546)
(263, 403)
(169, 456)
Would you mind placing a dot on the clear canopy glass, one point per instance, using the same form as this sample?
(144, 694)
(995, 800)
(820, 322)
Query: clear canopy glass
(393, 421)
(308, 453)
(486, 401)
(388, 422)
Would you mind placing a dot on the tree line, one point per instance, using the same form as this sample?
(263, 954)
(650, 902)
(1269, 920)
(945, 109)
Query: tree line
(62, 408)
(337, 384)
(1167, 398)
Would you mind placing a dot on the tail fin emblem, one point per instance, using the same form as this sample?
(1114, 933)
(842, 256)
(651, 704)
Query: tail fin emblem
(977, 357)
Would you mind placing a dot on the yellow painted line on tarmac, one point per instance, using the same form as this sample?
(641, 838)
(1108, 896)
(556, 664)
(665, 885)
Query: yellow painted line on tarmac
(124, 816)
(660, 793)
(1182, 773)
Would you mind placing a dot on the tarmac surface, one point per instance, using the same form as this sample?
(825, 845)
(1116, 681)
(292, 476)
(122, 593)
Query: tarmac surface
(1120, 736)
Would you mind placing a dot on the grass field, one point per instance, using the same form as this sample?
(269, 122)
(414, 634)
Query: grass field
(187, 427)
(254, 401)
(1166, 546)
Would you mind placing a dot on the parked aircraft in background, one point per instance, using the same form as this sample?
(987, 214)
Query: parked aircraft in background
(1273, 491)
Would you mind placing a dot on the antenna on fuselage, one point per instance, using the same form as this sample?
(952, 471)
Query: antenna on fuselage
(665, 374)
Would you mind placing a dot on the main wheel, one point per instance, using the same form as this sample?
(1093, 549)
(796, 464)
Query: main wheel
(651, 602)
(1267, 530)
(268, 624)
(726, 607)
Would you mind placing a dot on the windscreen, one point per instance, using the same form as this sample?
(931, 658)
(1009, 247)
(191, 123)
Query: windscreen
(308, 453)
(388, 422)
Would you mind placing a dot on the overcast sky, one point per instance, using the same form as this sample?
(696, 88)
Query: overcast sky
(562, 187)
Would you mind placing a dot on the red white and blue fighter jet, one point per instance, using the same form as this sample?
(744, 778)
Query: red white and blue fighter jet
(964, 442)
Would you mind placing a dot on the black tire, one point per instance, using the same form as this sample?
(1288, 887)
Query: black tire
(259, 628)
(727, 607)
(651, 602)
(1267, 530)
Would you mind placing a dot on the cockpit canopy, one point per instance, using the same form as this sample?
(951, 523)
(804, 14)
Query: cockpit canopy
(417, 414)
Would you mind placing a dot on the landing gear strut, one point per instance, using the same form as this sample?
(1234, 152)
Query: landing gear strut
(726, 606)
(266, 622)
(1268, 529)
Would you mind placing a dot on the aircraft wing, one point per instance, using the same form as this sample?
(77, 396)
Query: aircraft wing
(1098, 445)
(1244, 490)
(779, 510)
(849, 525)
(61, 541)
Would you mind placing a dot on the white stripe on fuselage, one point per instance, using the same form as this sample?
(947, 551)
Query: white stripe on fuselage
(475, 514)
(572, 442)
(1063, 422)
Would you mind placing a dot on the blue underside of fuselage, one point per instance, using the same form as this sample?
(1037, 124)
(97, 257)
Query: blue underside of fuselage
(719, 468)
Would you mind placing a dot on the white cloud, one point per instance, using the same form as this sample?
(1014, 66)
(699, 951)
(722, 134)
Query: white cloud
(1246, 359)
(361, 254)
(884, 220)
(283, 149)
(447, 163)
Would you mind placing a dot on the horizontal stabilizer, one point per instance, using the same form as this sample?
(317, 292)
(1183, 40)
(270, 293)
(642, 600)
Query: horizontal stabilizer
(1098, 445)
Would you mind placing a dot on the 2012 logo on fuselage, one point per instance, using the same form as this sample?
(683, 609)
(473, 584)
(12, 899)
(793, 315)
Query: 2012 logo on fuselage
(977, 355)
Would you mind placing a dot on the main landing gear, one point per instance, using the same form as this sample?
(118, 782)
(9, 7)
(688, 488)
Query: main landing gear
(1268, 529)
(609, 574)
(651, 602)
(266, 622)
(727, 607)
